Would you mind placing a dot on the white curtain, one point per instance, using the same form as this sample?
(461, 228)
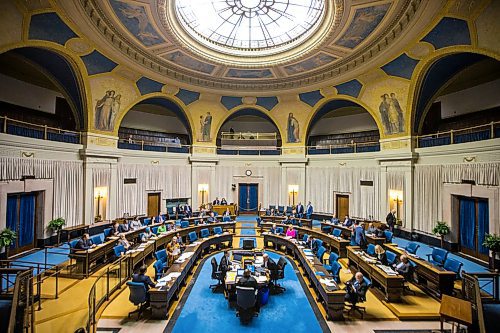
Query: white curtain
(101, 177)
(67, 179)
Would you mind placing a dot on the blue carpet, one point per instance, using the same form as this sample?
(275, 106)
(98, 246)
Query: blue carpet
(209, 312)
(247, 232)
(248, 225)
(250, 218)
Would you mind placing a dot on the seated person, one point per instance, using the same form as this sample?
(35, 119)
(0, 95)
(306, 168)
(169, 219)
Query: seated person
(135, 224)
(84, 243)
(173, 250)
(355, 288)
(142, 277)
(147, 235)
(216, 201)
(273, 229)
(347, 222)
(334, 219)
(227, 212)
(371, 229)
(212, 218)
(115, 229)
(290, 232)
(380, 254)
(225, 262)
(223, 201)
(286, 220)
(268, 262)
(162, 229)
(179, 240)
(247, 280)
(403, 267)
(272, 212)
(160, 219)
(124, 227)
(125, 242)
(310, 242)
(200, 221)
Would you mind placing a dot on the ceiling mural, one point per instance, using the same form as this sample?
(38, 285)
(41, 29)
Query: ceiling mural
(341, 35)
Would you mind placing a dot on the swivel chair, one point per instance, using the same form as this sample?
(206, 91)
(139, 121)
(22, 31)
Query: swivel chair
(388, 236)
(331, 259)
(337, 232)
(412, 248)
(334, 269)
(193, 237)
(138, 296)
(161, 255)
(226, 219)
(159, 266)
(184, 224)
(278, 273)
(217, 230)
(353, 306)
(204, 233)
(438, 256)
(391, 257)
(370, 250)
(216, 275)
(246, 298)
(119, 250)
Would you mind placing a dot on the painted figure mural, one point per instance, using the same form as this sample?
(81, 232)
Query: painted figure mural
(205, 125)
(106, 110)
(292, 129)
(391, 114)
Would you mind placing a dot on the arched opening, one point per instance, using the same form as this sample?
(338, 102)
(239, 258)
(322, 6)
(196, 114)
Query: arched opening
(458, 100)
(249, 131)
(41, 94)
(342, 126)
(155, 124)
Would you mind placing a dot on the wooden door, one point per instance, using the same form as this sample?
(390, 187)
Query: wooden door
(342, 206)
(153, 204)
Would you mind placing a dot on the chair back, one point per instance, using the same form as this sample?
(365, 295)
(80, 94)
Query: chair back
(318, 243)
(335, 270)
(281, 209)
(154, 230)
(214, 264)
(137, 292)
(453, 266)
(193, 237)
(217, 230)
(388, 236)
(321, 252)
(184, 224)
(158, 267)
(412, 247)
(272, 207)
(362, 296)
(107, 232)
(97, 239)
(119, 249)
(333, 258)
(226, 219)
(305, 237)
(161, 255)
(391, 257)
(279, 230)
(204, 233)
(439, 255)
(337, 232)
(248, 244)
(281, 263)
(288, 209)
(370, 249)
(146, 221)
(72, 243)
(245, 297)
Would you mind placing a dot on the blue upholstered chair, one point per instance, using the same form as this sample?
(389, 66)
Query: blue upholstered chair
(107, 232)
(331, 259)
(161, 255)
(412, 247)
(272, 207)
(326, 229)
(97, 239)
(138, 296)
(337, 232)
(438, 256)
(158, 267)
(388, 236)
(146, 221)
(204, 233)
(193, 237)
(361, 298)
(279, 230)
(154, 230)
(119, 250)
(184, 224)
(370, 250)
(305, 237)
(453, 266)
(288, 210)
(391, 257)
(321, 252)
(228, 219)
(334, 269)
(281, 209)
(72, 243)
(217, 230)
(317, 244)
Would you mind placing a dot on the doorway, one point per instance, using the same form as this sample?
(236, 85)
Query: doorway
(153, 204)
(21, 218)
(473, 222)
(248, 198)
(342, 205)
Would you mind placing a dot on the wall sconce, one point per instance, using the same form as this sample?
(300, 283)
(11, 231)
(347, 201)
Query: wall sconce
(100, 193)
(203, 188)
(397, 197)
(293, 190)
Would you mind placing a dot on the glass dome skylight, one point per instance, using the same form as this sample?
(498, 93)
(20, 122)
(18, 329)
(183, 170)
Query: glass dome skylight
(242, 26)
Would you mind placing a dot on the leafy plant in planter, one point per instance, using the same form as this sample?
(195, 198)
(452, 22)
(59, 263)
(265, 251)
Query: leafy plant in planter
(56, 224)
(441, 229)
(7, 238)
(492, 242)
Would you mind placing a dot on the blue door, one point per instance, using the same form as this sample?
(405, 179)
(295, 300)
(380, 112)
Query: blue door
(21, 210)
(474, 225)
(248, 198)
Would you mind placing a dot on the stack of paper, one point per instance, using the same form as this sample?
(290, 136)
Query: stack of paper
(388, 270)
(261, 279)
(328, 282)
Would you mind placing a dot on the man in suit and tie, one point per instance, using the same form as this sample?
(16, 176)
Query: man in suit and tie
(84, 243)
(188, 211)
(309, 210)
(359, 235)
(391, 220)
(216, 201)
(347, 222)
(141, 277)
(225, 262)
(300, 210)
(268, 263)
(334, 219)
(356, 289)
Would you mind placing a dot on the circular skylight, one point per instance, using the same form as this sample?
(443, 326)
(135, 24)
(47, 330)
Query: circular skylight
(240, 26)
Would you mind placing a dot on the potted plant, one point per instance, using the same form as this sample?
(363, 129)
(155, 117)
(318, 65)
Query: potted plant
(56, 225)
(7, 238)
(492, 242)
(441, 229)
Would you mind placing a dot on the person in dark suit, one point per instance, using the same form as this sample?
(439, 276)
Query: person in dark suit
(124, 227)
(391, 220)
(142, 277)
(268, 263)
(300, 210)
(247, 280)
(334, 219)
(380, 254)
(347, 222)
(84, 243)
(359, 235)
(223, 201)
(188, 211)
(227, 212)
(216, 201)
(115, 230)
(211, 218)
(309, 210)
(225, 262)
(355, 288)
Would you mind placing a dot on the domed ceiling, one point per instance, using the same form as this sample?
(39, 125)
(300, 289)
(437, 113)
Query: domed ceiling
(251, 45)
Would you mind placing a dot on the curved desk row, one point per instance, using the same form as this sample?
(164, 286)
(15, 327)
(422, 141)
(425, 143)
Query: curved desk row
(279, 219)
(87, 261)
(347, 232)
(332, 297)
(161, 297)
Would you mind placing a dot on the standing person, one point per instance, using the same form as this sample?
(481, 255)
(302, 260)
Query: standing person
(309, 210)
(359, 235)
(300, 210)
(391, 219)
(225, 262)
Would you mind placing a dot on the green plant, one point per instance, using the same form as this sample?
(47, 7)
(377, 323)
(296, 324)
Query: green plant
(492, 242)
(441, 229)
(56, 224)
(7, 237)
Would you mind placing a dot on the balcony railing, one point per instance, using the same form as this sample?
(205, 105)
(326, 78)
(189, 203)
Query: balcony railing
(154, 146)
(44, 132)
(469, 134)
(348, 148)
(248, 136)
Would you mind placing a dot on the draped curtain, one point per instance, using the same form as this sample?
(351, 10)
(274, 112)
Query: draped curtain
(483, 224)
(467, 222)
(12, 214)
(101, 177)
(26, 219)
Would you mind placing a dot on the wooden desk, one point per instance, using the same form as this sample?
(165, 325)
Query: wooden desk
(392, 284)
(426, 272)
(279, 219)
(161, 298)
(193, 220)
(220, 209)
(456, 310)
(347, 232)
(332, 299)
(88, 261)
